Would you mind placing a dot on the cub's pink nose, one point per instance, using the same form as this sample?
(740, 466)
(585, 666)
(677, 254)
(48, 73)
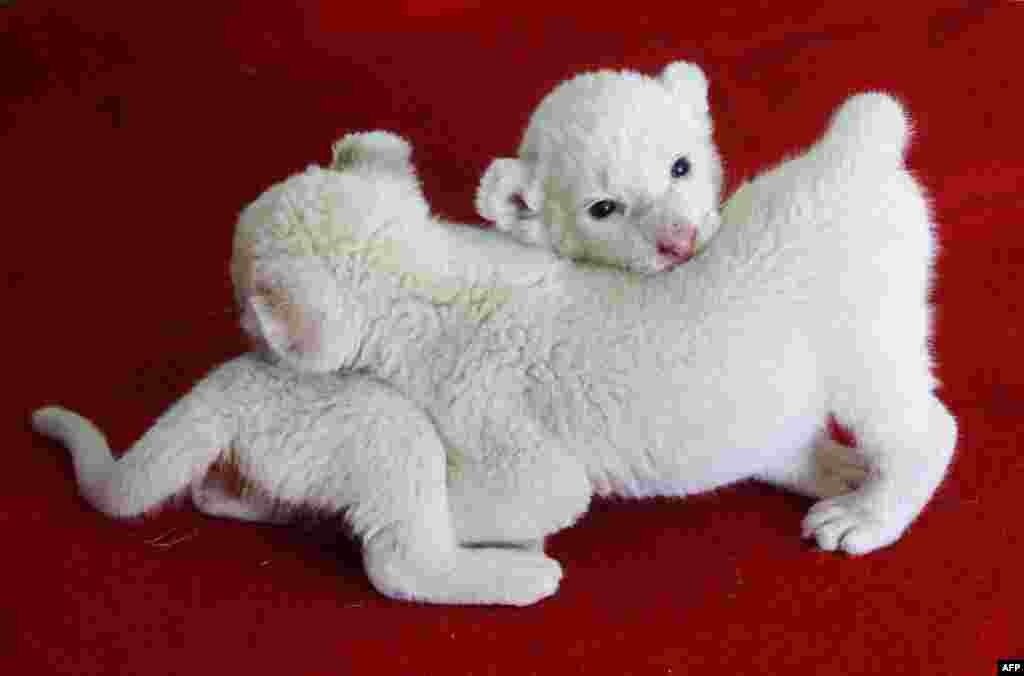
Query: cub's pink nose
(677, 242)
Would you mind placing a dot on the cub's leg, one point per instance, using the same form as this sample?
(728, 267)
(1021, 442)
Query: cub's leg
(881, 382)
(368, 452)
(519, 488)
(909, 443)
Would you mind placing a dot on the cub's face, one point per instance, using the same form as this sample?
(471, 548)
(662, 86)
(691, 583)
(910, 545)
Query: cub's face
(643, 196)
(617, 168)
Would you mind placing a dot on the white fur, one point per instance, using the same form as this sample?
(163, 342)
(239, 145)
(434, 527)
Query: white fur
(811, 300)
(611, 136)
(350, 445)
(537, 382)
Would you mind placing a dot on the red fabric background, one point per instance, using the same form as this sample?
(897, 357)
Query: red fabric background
(134, 132)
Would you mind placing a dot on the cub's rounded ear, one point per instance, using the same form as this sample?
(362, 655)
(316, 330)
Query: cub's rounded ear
(375, 149)
(688, 81)
(506, 195)
(288, 308)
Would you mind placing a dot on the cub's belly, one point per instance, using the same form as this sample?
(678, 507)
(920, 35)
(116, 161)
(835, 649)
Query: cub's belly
(701, 467)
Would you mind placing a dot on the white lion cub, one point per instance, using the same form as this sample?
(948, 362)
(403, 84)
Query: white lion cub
(624, 199)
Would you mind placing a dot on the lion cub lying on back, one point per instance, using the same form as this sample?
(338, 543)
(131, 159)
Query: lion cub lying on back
(645, 209)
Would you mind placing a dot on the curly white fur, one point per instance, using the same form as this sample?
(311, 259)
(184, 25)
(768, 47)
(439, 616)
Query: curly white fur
(492, 388)
(613, 138)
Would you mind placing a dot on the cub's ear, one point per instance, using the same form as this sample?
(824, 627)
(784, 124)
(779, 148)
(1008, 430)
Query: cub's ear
(379, 149)
(509, 197)
(290, 311)
(689, 83)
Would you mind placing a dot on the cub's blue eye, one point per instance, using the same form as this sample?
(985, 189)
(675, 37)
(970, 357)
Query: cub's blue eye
(680, 167)
(601, 210)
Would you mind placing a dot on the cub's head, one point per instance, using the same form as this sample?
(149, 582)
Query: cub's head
(301, 246)
(615, 167)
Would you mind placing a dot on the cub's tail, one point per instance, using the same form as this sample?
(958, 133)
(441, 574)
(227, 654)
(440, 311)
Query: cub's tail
(870, 129)
(89, 450)
(177, 450)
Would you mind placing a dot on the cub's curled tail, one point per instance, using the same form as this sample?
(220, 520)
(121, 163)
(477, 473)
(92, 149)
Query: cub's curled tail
(175, 452)
(869, 129)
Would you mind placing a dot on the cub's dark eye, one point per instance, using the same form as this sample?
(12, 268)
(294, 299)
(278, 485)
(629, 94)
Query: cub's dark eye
(680, 167)
(601, 210)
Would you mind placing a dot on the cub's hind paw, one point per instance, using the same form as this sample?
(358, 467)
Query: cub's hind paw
(487, 576)
(854, 523)
(523, 578)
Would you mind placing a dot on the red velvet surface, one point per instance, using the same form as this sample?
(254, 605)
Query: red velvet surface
(134, 132)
